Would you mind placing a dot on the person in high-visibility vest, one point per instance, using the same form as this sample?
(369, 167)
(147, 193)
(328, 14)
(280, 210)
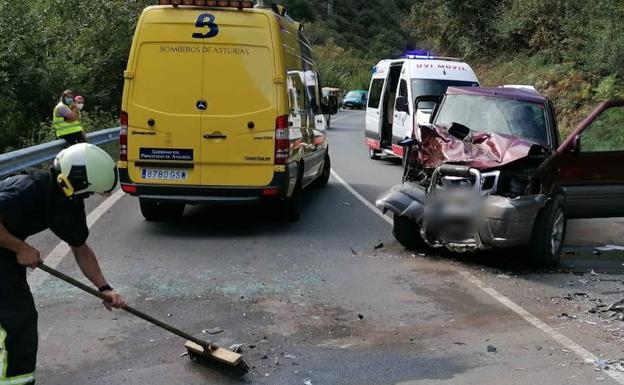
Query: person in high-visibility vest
(66, 119)
(29, 204)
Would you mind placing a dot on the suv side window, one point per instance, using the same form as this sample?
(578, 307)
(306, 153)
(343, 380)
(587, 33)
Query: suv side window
(606, 133)
(375, 93)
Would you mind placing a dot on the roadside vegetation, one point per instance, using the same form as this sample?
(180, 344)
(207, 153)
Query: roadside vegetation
(568, 50)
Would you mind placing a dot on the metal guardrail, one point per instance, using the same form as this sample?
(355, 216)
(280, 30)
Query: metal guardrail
(15, 161)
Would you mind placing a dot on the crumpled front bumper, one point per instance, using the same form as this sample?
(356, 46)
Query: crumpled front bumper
(499, 222)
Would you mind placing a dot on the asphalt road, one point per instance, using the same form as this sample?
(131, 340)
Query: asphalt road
(322, 301)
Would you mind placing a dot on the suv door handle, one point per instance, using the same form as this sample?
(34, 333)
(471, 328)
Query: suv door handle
(215, 136)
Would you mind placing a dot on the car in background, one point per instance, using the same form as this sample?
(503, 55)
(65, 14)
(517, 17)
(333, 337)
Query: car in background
(355, 99)
(490, 172)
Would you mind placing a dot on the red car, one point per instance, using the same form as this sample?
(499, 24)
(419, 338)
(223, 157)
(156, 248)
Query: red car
(491, 172)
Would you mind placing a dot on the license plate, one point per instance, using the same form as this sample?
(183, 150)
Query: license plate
(160, 174)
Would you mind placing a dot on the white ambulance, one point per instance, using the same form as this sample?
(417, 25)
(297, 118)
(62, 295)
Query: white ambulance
(394, 87)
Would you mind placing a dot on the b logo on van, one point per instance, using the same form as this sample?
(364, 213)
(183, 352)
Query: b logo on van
(206, 20)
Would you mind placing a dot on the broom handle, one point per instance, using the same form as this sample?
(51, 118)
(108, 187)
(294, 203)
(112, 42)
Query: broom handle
(131, 310)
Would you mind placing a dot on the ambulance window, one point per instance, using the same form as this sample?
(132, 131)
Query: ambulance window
(403, 89)
(375, 93)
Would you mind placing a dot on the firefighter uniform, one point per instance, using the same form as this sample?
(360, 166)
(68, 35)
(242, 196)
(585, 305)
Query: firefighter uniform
(29, 203)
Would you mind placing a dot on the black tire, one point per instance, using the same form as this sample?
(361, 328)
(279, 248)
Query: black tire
(323, 179)
(373, 154)
(290, 208)
(407, 232)
(548, 235)
(155, 211)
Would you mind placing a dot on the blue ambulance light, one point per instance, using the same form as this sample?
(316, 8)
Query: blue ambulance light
(417, 54)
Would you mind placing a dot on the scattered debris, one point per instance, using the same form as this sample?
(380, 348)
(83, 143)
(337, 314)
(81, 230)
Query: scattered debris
(236, 348)
(169, 315)
(491, 349)
(360, 316)
(610, 248)
(252, 346)
(184, 354)
(378, 246)
(307, 381)
(347, 204)
(617, 307)
(602, 363)
(354, 252)
(129, 370)
(292, 357)
(215, 330)
(459, 343)
(593, 273)
(503, 276)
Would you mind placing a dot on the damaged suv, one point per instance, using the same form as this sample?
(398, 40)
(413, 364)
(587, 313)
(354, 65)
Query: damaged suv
(489, 172)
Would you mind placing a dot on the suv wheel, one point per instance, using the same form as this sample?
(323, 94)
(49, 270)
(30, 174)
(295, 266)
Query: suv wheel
(407, 232)
(155, 211)
(373, 154)
(548, 234)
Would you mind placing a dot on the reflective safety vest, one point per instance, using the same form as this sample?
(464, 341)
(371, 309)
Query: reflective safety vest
(62, 127)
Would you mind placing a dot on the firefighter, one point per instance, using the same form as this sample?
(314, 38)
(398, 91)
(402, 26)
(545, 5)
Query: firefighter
(66, 119)
(30, 203)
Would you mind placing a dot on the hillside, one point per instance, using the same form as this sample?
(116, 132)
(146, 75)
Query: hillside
(570, 51)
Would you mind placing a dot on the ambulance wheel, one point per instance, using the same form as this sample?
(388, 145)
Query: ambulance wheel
(290, 206)
(407, 232)
(154, 211)
(373, 154)
(323, 179)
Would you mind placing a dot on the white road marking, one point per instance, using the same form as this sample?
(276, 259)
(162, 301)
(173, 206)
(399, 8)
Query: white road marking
(361, 198)
(344, 116)
(566, 342)
(56, 256)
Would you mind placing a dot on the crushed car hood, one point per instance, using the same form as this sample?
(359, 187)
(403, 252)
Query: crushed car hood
(479, 150)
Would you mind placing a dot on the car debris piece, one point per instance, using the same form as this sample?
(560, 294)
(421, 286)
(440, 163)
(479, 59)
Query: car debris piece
(215, 330)
(617, 307)
(491, 349)
(378, 246)
(236, 348)
(610, 248)
(503, 276)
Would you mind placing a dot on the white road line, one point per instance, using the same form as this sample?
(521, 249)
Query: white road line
(566, 342)
(361, 198)
(344, 116)
(56, 256)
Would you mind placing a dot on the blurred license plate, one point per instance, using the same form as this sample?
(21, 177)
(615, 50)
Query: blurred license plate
(154, 173)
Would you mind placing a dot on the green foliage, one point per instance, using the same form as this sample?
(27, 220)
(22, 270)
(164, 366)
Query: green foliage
(570, 51)
(82, 46)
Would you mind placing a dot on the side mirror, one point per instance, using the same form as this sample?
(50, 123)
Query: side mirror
(329, 105)
(401, 104)
(575, 148)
